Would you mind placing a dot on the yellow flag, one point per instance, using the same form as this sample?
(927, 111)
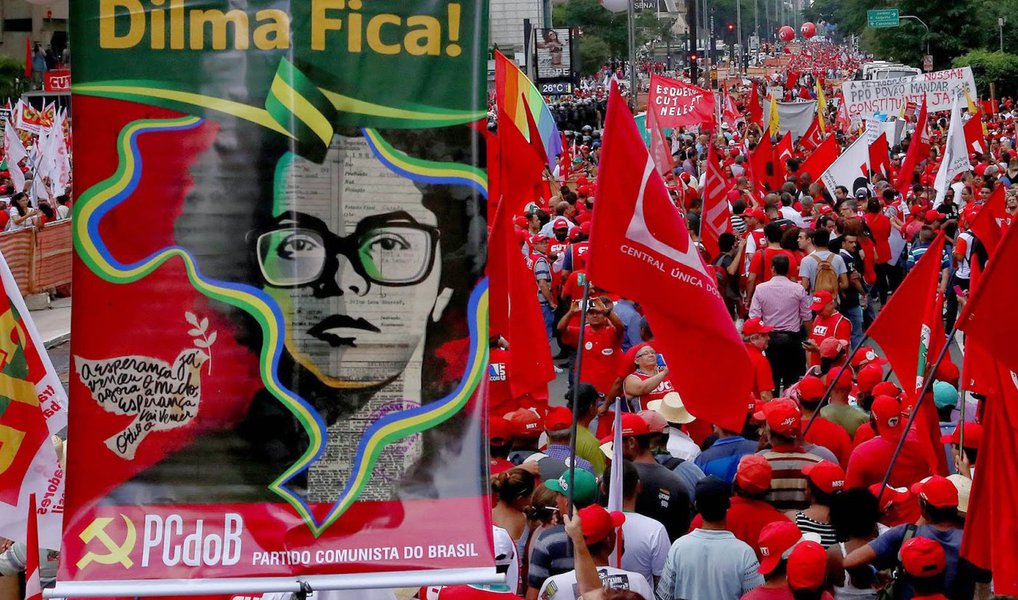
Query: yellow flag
(775, 121)
(821, 107)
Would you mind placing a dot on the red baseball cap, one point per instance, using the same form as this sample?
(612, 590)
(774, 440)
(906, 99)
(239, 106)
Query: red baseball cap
(782, 416)
(526, 423)
(892, 496)
(820, 300)
(932, 215)
(776, 542)
(865, 356)
(520, 222)
(537, 238)
(755, 326)
(633, 425)
(869, 377)
(757, 214)
(832, 346)
(886, 412)
(826, 209)
(597, 523)
(558, 418)
(937, 491)
(973, 436)
(560, 223)
(947, 371)
(886, 388)
(807, 566)
(923, 557)
(754, 474)
(499, 430)
(811, 388)
(827, 476)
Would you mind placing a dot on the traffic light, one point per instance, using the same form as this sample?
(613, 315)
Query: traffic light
(731, 27)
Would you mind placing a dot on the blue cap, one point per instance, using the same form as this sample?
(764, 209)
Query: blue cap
(945, 394)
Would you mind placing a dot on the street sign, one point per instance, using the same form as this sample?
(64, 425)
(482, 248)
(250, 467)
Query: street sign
(928, 62)
(882, 17)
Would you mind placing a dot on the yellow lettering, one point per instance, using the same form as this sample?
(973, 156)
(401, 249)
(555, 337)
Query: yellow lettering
(274, 35)
(177, 24)
(426, 39)
(320, 23)
(219, 20)
(108, 37)
(158, 26)
(354, 33)
(374, 33)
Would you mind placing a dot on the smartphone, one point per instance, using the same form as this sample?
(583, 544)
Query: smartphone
(660, 360)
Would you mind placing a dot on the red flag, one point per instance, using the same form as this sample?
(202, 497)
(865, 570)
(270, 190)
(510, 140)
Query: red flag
(731, 114)
(978, 373)
(813, 136)
(28, 58)
(660, 148)
(918, 151)
(880, 156)
(804, 93)
(974, 139)
(989, 541)
(986, 319)
(679, 104)
(33, 579)
(821, 159)
(792, 80)
(491, 146)
(782, 152)
(898, 327)
(755, 109)
(762, 163)
(515, 313)
(716, 218)
(566, 161)
(991, 220)
(640, 247)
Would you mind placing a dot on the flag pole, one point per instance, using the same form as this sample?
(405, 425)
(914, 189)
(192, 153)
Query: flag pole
(927, 383)
(832, 383)
(576, 392)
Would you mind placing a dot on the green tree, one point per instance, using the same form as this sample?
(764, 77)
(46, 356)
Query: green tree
(1000, 68)
(594, 52)
(11, 71)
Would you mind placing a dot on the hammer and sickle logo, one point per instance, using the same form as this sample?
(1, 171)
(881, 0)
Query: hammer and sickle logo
(117, 553)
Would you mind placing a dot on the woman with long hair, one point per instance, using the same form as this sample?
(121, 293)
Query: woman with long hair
(22, 215)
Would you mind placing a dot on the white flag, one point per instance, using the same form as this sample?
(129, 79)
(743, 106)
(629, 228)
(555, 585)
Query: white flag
(15, 153)
(850, 169)
(615, 482)
(956, 155)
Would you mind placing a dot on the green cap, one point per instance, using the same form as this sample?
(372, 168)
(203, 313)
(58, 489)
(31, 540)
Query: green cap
(944, 394)
(584, 487)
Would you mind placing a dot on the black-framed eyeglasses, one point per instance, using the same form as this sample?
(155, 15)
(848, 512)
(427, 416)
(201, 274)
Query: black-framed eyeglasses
(391, 249)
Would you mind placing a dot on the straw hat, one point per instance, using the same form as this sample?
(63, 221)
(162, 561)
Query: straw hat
(964, 486)
(671, 408)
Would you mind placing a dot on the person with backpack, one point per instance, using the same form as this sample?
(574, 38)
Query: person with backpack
(823, 270)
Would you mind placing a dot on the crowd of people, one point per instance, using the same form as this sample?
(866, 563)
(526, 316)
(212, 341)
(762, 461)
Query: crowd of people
(812, 498)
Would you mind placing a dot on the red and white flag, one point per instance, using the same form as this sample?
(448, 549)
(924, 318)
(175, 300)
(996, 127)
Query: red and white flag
(716, 218)
(813, 137)
(821, 158)
(731, 114)
(640, 248)
(33, 573)
(851, 169)
(660, 146)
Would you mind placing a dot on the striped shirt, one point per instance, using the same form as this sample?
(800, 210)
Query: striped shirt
(738, 224)
(788, 484)
(549, 555)
(825, 530)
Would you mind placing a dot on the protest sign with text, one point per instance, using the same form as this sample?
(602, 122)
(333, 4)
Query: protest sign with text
(680, 104)
(869, 99)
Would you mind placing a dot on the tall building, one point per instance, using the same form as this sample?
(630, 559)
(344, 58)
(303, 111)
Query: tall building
(506, 21)
(41, 21)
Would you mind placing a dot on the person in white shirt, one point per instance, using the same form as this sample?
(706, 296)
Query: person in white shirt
(645, 541)
(680, 445)
(597, 528)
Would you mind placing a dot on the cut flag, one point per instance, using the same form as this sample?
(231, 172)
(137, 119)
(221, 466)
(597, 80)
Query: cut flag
(991, 220)
(975, 141)
(813, 136)
(761, 164)
(880, 156)
(821, 158)
(511, 86)
(986, 317)
(716, 218)
(782, 152)
(640, 247)
(918, 151)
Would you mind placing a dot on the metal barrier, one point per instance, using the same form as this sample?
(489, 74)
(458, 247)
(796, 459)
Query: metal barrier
(40, 259)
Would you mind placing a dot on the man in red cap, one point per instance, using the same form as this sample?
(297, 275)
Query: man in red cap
(757, 336)
(663, 495)
(924, 562)
(596, 533)
(807, 570)
(749, 512)
(776, 543)
(822, 432)
(558, 424)
(602, 344)
(938, 503)
(828, 323)
(870, 460)
(527, 427)
(787, 454)
(500, 442)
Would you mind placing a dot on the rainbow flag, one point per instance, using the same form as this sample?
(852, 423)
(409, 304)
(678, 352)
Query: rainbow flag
(511, 87)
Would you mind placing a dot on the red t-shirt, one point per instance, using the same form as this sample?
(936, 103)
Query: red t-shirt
(500, 397)
(746, 518)
(782, 593)
(602, 352)
(864, 434)
(657, 393)
(831, 436)
(760, 264)
(572, 289)
(880, 227)
(835, 325)
(869, 462)
(763, 377)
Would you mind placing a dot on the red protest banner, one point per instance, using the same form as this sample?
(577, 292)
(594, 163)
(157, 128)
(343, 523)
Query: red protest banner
(678, 104)
(58, 80)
